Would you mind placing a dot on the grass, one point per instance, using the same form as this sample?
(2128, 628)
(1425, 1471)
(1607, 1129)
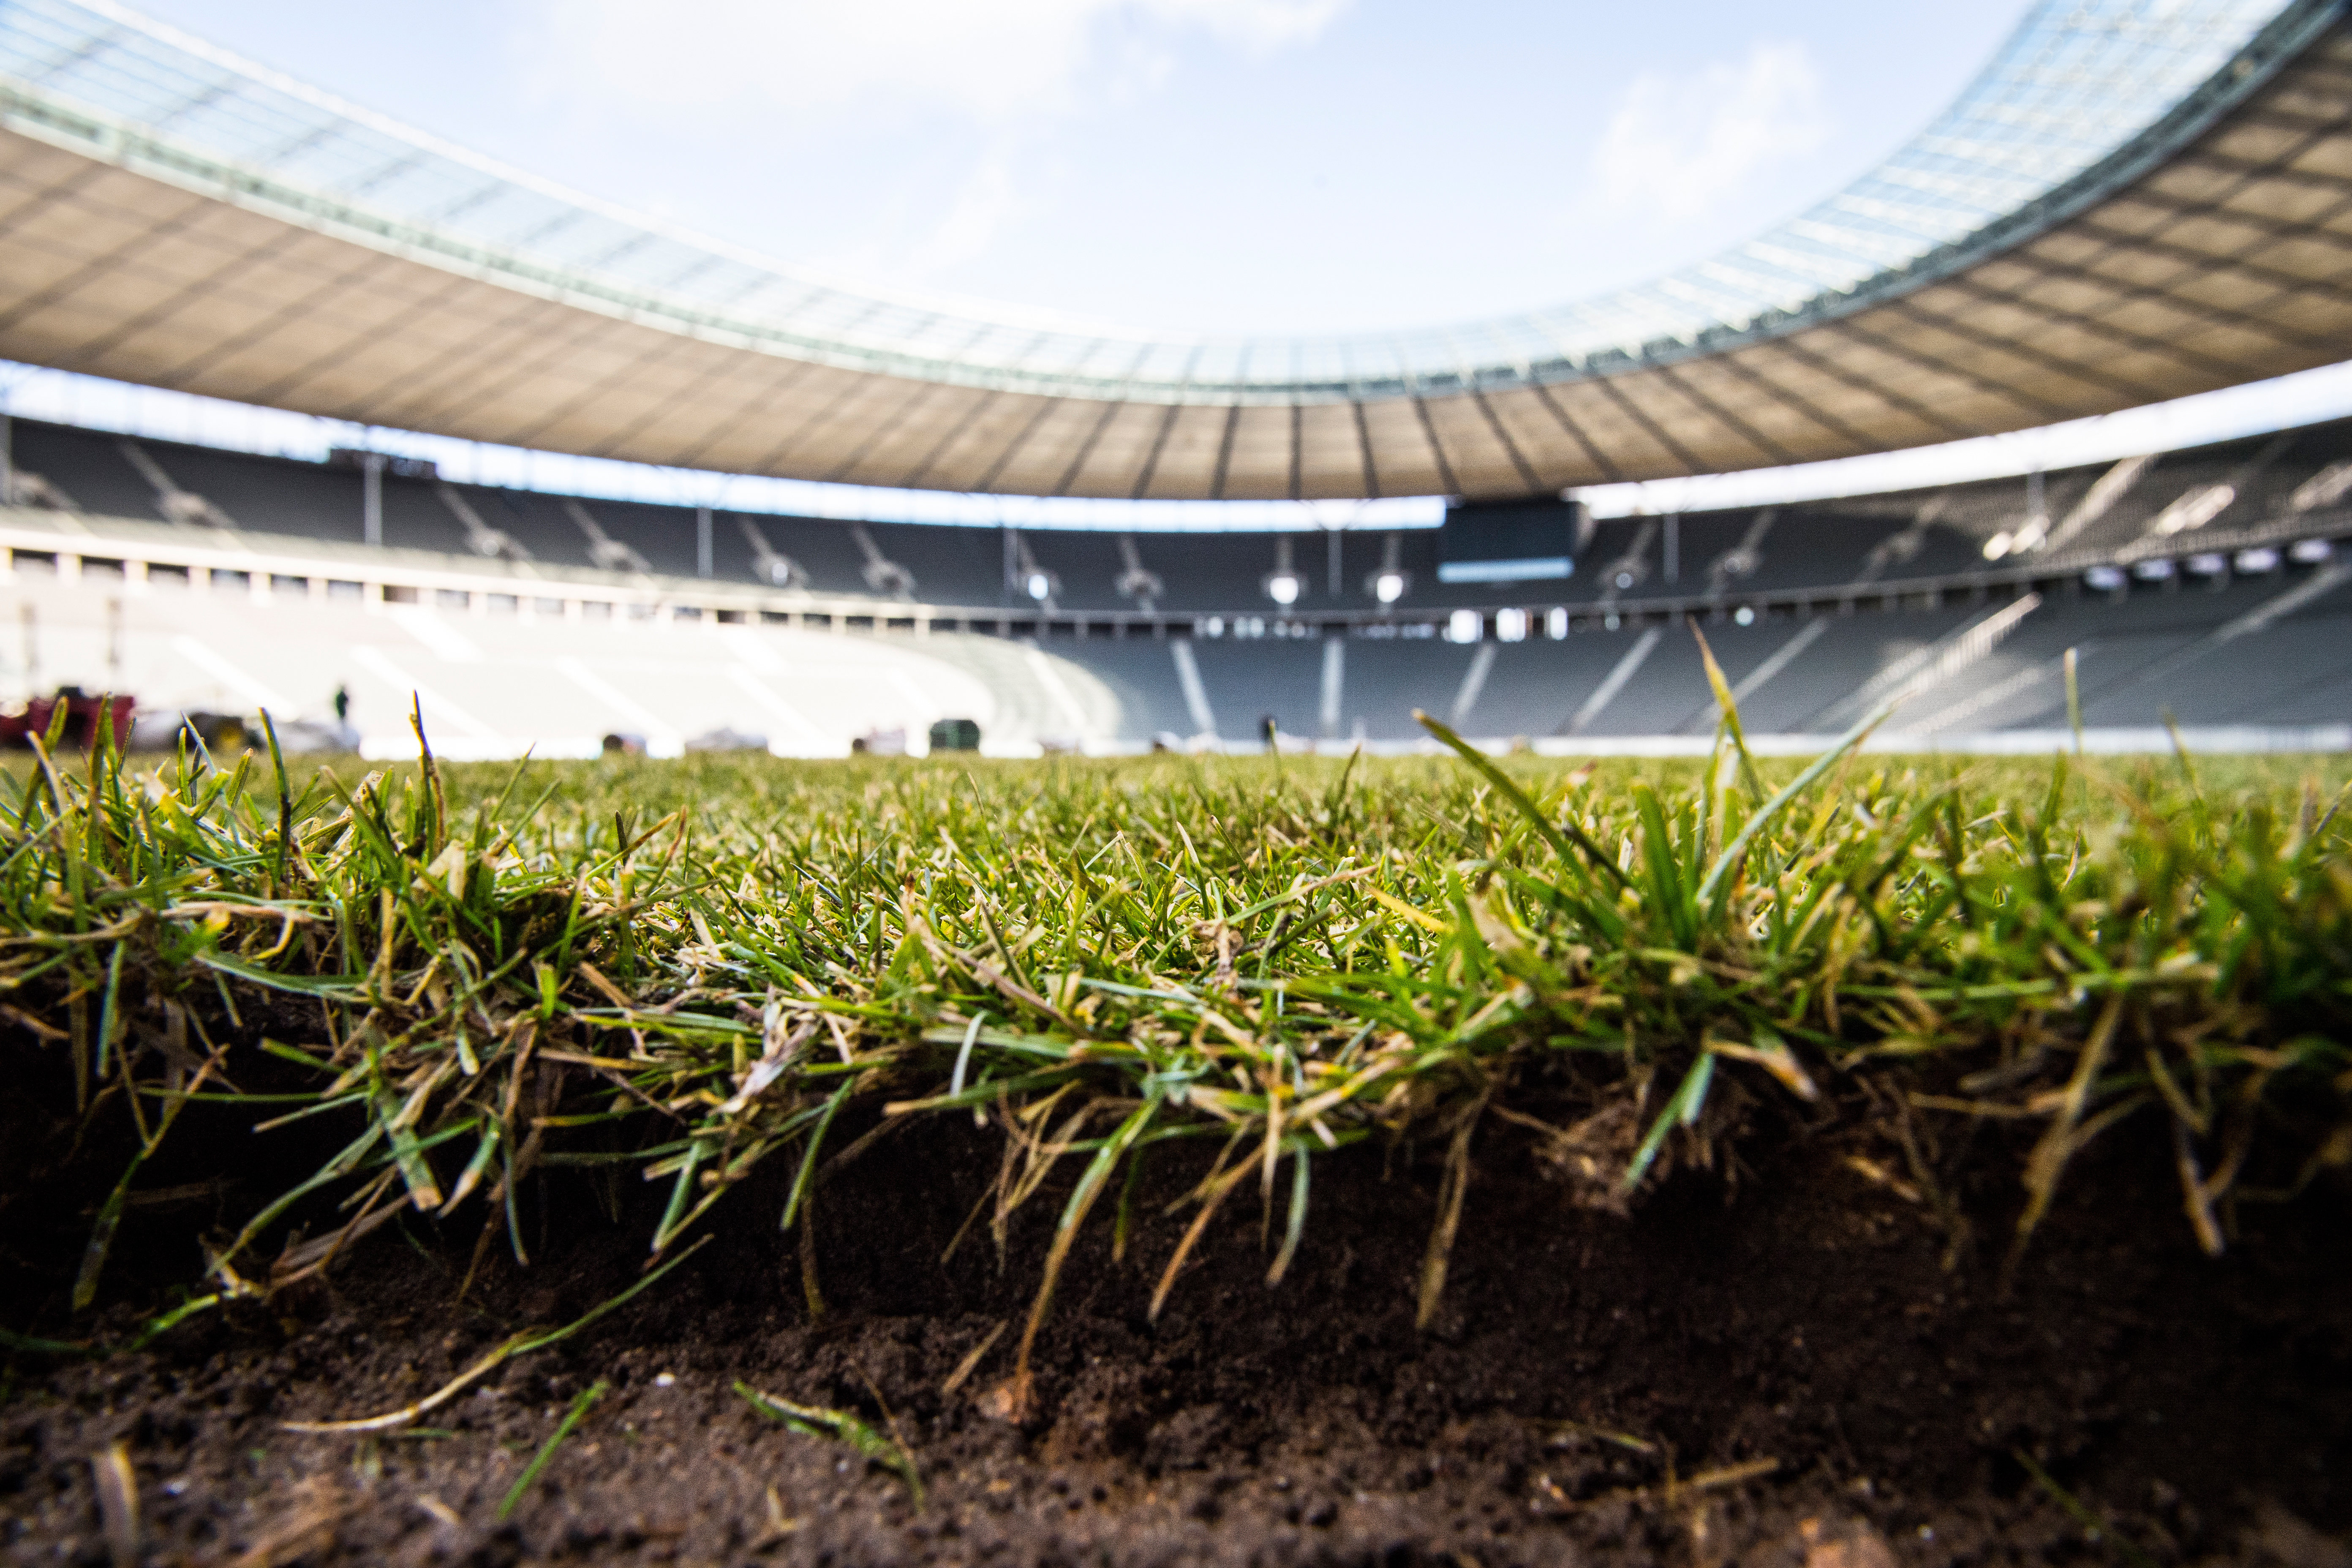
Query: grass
(581, 1404)
(689, 971)
(839, 1426)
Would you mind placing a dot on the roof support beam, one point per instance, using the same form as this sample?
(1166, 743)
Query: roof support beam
(1805, 407)
(1151, 460)
(1518, 460)
(1225, 452)
(1796, 348)
(1436, 448)
(1656, 432)
(1600, 459)
(1748, 433)
(973, 408)
(1045, 406)
(795, 371)
(1925, 361)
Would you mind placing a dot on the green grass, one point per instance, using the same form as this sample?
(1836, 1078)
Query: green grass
(684, 972)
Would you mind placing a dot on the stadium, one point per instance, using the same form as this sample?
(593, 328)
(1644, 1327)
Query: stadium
(559, 700)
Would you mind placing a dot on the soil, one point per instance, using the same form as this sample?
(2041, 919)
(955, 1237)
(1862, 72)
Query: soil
(1787, 1363)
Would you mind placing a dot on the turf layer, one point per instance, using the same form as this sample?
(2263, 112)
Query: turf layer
(264, 1029)
(682, 974)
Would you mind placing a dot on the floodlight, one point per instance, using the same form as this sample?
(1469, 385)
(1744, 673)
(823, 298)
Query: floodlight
(1026, 575)
(1391, 581)
(2261, 558)
(1997, 546)
(2209, 564)
(882, 575)
(2157, 571)
(2104, 579)
(1556, 624)
(2309, 552)
(1137, 582)
(1744, 616)
(1510, 626)
(1465, 625)
(1283, 584)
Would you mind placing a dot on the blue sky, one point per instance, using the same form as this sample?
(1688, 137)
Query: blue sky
(1218, 165)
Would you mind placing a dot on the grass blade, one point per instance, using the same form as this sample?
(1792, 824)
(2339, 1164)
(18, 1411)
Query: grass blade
(581, 1405)
(1560, 835)
(1735, 853)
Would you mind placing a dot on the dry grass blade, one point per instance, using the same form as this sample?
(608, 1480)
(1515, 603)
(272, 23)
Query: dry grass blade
(1014, 1398)
(2067, 1134)
(1449, 1215)
(307, 1527)
(2196, 1202)
(118, 1505)
(1667, 1492)
(523, 1343)
(406, 1413)
(973, 1358)
(1219, 1190)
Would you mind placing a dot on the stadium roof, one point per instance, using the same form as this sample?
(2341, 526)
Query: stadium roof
(2133, 202)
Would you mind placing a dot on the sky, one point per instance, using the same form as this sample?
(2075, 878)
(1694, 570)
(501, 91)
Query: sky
(1185, 165)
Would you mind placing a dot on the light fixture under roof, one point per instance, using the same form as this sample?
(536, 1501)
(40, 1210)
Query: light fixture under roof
(1391, 581)
(1284, 586)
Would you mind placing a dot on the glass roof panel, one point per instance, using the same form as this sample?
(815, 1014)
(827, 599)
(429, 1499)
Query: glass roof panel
(2075, 80)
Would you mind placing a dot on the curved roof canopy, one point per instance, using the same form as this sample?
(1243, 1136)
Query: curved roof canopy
(2134, 201)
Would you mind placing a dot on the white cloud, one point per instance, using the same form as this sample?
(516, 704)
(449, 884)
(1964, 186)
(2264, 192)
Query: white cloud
(1676, 145)
(987, 59)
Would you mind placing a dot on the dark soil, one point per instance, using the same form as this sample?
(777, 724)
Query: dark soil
(1777, 1370)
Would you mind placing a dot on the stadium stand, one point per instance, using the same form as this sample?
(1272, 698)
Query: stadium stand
(2202, 584)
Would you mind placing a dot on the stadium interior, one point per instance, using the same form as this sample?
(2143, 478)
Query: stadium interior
(2198, 586)
(2188, 233)
(1372, 1012)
